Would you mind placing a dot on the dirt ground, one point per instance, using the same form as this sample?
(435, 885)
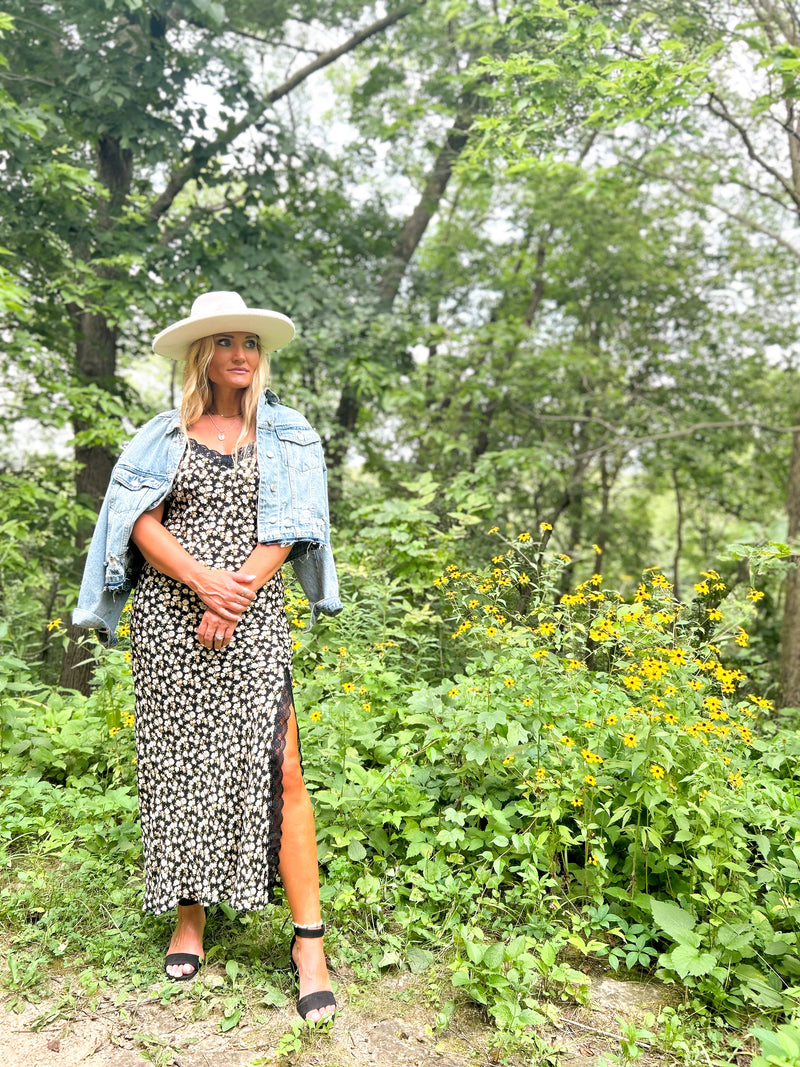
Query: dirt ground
(388, 1024)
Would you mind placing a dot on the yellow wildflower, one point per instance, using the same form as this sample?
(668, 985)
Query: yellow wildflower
(656, 771)
(629, 740)
(316, 716)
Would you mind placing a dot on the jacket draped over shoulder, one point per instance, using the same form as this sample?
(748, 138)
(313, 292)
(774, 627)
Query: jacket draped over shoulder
(292, 509)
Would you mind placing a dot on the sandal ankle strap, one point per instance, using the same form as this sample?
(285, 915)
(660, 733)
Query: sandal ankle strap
(304, 931)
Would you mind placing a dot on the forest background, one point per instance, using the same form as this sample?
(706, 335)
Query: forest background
(543, 263)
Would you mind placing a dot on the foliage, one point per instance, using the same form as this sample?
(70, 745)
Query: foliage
(504, 776)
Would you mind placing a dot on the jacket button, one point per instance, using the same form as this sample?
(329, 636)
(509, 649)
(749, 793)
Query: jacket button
(273, 489)
(270, 455)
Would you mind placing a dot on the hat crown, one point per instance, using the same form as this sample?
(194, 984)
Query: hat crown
(217, 303)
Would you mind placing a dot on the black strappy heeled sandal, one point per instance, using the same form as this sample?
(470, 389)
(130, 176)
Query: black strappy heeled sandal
(176, 959)
(321, 998)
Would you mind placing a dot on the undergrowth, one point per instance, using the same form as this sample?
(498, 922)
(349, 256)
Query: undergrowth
(508, 776)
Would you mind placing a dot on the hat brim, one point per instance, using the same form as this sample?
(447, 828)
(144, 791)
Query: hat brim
(273, 329)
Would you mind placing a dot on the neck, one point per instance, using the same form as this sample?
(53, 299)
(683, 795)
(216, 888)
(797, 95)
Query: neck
(227, 402)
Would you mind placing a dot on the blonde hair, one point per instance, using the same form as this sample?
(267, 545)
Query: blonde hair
(198, 396)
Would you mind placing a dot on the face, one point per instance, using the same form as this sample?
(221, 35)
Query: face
(235, 359)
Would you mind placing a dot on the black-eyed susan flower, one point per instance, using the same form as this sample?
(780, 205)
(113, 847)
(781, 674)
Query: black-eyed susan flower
(629, 740)
(316, 716)
(590, 779)
(657, 771)
(348, 687)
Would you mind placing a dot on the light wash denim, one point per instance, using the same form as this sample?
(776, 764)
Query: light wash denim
(292, 509)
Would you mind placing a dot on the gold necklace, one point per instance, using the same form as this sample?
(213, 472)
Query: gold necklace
(220, 433)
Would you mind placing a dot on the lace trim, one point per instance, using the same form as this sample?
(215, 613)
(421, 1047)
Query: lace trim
(224, 459)
(283, 711)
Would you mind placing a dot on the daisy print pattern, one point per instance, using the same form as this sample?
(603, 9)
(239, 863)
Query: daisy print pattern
(210, 723)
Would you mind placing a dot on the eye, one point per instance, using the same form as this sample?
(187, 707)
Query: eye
(251, 342)
(224, 342)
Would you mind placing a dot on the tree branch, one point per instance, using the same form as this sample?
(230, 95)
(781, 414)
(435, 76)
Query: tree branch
(694, 193)
(204, 151)
(721, 111)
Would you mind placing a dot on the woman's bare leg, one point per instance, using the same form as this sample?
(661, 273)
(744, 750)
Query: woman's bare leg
(300, 873)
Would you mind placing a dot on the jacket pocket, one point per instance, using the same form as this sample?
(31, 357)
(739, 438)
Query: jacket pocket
(301, 447)
(130, 486)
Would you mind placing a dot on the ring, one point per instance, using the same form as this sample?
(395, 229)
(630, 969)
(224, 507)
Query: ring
(219, 636)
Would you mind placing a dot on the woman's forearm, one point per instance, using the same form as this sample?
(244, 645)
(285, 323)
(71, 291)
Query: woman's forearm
(265, 561)
(223, 591)
(163, 551)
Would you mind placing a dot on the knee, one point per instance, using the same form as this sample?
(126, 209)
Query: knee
(292, 775)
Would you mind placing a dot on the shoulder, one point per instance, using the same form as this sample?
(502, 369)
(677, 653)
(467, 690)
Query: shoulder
(153, 431)
(281, 414)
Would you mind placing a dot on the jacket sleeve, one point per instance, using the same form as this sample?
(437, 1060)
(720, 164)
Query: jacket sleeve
(316, 573)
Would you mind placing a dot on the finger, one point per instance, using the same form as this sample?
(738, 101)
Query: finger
(244, 579)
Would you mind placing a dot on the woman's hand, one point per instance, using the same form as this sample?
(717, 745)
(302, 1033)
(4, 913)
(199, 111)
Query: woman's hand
(226, 593)
(215, 632)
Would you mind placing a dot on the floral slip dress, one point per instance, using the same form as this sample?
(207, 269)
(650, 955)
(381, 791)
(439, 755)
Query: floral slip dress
(210, 724)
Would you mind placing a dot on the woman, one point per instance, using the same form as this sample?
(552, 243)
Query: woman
(203, 508)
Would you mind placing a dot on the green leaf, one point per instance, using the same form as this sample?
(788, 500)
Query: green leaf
(686, 960)
(356, 851)
(419, 959)
(230, 1021)
(675, 921)
(494, 955)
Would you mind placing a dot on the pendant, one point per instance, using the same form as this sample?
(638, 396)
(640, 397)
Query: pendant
(220, 436)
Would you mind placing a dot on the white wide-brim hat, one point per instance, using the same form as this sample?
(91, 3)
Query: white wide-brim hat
(223, 313)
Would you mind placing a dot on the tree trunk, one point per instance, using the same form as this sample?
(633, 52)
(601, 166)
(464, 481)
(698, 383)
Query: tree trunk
(96, 361)
(389, 284)
(790, 630)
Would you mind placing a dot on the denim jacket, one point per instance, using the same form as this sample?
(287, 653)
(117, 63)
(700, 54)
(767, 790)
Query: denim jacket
(292, 509)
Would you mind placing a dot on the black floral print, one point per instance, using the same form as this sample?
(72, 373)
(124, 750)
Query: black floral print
(210, 723)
